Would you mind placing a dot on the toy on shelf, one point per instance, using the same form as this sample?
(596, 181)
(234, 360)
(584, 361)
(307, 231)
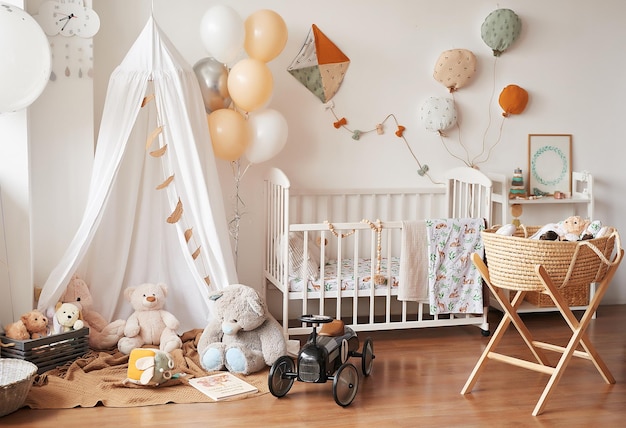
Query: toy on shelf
(518, 189)
(324, 357)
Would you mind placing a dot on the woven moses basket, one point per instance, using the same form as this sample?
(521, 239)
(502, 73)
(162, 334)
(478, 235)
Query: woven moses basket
(572, 266)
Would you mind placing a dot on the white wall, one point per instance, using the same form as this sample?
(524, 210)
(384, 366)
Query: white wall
(567, 58)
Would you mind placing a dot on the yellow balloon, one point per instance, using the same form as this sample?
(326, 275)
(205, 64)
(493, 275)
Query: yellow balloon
(229, 134)
(250, 84)
(265, 35)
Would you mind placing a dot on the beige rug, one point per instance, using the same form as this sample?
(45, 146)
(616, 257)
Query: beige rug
(98, 378)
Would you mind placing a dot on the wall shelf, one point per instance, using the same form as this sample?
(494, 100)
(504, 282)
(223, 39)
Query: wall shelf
(581, 195)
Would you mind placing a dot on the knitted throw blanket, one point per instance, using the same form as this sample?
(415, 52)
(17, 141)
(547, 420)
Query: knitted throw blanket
(98, 377)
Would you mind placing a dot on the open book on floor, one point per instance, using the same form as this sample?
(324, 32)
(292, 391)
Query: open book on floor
(222, 385)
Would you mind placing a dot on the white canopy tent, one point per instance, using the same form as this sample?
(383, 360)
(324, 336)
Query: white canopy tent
(155, 211)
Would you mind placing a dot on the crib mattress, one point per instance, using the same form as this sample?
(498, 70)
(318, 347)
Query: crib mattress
(348, 281)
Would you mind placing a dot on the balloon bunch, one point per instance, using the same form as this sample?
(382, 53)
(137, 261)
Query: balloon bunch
(235, 99)
(455, 68)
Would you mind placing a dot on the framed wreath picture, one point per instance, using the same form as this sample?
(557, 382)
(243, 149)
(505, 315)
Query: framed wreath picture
(549, 163)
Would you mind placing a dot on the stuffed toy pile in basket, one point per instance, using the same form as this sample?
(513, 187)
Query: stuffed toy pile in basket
(512, 259)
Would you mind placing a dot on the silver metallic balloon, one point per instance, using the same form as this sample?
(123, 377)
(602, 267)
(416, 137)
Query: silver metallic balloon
(213, 77)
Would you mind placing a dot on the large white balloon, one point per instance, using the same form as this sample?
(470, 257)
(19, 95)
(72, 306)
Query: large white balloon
(269, 132)
(223, 33)
(25, 59)
(438, 114)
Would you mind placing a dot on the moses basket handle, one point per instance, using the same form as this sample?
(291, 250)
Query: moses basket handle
(617, 251)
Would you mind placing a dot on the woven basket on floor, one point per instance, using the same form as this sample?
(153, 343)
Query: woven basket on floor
(16, 378)
(572, 266)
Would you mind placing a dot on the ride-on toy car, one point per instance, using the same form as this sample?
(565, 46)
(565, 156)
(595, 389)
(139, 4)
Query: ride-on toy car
(324, 357)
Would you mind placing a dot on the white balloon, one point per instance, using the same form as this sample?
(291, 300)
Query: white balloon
(222, 32)
(26, 60)
(269, 132)
(438, 114)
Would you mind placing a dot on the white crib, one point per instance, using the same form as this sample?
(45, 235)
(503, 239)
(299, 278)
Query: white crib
(345, 221)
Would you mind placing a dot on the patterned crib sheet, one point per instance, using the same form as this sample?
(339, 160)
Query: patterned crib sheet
(363, 277)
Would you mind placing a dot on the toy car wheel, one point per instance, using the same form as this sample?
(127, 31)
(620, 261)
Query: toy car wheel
(345, 384)
(281, 376)
(367, 359)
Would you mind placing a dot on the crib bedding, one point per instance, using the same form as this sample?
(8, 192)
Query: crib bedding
(363, 277)
(452, 285)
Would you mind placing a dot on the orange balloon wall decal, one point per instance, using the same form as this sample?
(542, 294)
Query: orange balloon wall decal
(513, 100)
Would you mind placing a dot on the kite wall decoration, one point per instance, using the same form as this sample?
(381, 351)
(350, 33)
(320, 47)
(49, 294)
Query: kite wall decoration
(320, 65)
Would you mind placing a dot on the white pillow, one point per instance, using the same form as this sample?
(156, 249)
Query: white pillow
(296, 256)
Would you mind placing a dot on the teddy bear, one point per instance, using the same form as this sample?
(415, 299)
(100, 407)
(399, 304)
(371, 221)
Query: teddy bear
(149, 324)
(31, 325)
(573, 228)
(102, 334)
(242, 335)
(67, 318)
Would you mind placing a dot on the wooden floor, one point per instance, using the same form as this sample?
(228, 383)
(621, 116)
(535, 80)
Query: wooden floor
(416, 381)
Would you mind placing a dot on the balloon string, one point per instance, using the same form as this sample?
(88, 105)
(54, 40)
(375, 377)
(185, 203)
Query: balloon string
(452, 154)
(342, 123)
(459, 139)
(235, 222)
(494, 144)
(493, 92)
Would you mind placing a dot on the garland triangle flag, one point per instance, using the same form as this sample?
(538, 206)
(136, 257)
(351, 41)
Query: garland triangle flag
(320, 65)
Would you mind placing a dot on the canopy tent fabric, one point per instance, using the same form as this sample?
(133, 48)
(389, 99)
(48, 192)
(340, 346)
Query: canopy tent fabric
(155, 211)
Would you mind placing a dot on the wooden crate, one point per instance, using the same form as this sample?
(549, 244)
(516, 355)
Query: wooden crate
(50, 351)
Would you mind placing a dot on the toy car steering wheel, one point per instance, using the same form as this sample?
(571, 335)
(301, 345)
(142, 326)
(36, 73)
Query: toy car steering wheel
(316, 319)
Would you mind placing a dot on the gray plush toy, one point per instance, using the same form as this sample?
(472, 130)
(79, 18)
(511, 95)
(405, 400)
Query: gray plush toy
(242, 336)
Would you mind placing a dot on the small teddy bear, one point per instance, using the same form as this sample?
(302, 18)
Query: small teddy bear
(150, 324)
(31, 325)
(574, 227)
(67, 318)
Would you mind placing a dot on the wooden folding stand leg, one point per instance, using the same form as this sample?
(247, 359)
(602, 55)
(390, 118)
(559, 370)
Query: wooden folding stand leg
(579, 336)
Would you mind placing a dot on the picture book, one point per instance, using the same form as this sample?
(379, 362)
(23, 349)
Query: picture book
(222, 385)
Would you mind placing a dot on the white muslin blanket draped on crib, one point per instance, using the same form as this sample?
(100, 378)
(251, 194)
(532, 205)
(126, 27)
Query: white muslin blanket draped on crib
(454, 283)
(413, 282)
